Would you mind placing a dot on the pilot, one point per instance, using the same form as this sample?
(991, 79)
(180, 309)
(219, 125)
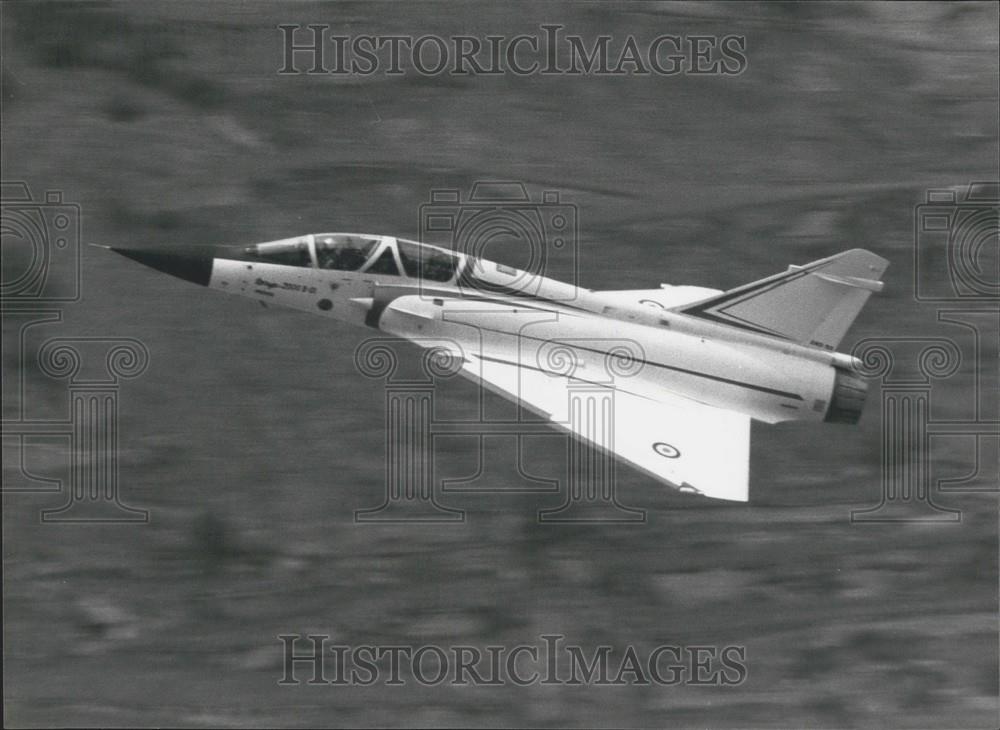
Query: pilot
(342, 258)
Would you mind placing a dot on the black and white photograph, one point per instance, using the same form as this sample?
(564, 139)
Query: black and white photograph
(500, 365)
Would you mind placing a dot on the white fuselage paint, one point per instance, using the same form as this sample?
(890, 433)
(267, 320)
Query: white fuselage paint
(765, 378)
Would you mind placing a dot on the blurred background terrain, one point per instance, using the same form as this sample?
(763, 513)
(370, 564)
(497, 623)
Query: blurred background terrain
(252, 439)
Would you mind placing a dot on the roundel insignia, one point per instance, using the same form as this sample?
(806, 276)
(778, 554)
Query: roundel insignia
(666, 450)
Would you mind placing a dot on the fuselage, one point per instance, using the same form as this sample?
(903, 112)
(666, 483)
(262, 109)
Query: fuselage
(417, 291)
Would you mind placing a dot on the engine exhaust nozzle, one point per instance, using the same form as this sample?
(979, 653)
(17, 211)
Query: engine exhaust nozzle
(848, 399)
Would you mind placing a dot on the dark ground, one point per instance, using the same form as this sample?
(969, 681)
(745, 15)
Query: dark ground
(251, 439)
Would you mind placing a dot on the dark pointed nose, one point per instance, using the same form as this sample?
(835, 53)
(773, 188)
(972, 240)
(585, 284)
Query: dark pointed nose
(195, 267)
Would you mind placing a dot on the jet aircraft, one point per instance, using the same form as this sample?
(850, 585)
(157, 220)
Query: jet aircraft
(689, 367)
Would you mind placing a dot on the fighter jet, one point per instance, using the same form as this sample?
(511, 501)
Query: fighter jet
(680, 371)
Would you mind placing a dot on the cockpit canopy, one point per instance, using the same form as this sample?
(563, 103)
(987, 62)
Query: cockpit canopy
(354, 252)
(290, 252)
(427, 262)
(343, 252)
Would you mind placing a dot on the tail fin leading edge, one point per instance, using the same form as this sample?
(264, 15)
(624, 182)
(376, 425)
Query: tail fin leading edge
(814, 304)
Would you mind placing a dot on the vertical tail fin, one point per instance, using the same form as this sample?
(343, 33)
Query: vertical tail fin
(814, 304)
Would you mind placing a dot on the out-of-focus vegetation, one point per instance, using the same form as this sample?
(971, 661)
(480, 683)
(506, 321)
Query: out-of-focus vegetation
(252, 438)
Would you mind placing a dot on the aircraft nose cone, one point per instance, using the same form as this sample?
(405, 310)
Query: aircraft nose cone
(194, 267)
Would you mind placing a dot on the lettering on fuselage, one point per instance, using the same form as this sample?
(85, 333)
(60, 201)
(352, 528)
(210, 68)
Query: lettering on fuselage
(286, 286)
